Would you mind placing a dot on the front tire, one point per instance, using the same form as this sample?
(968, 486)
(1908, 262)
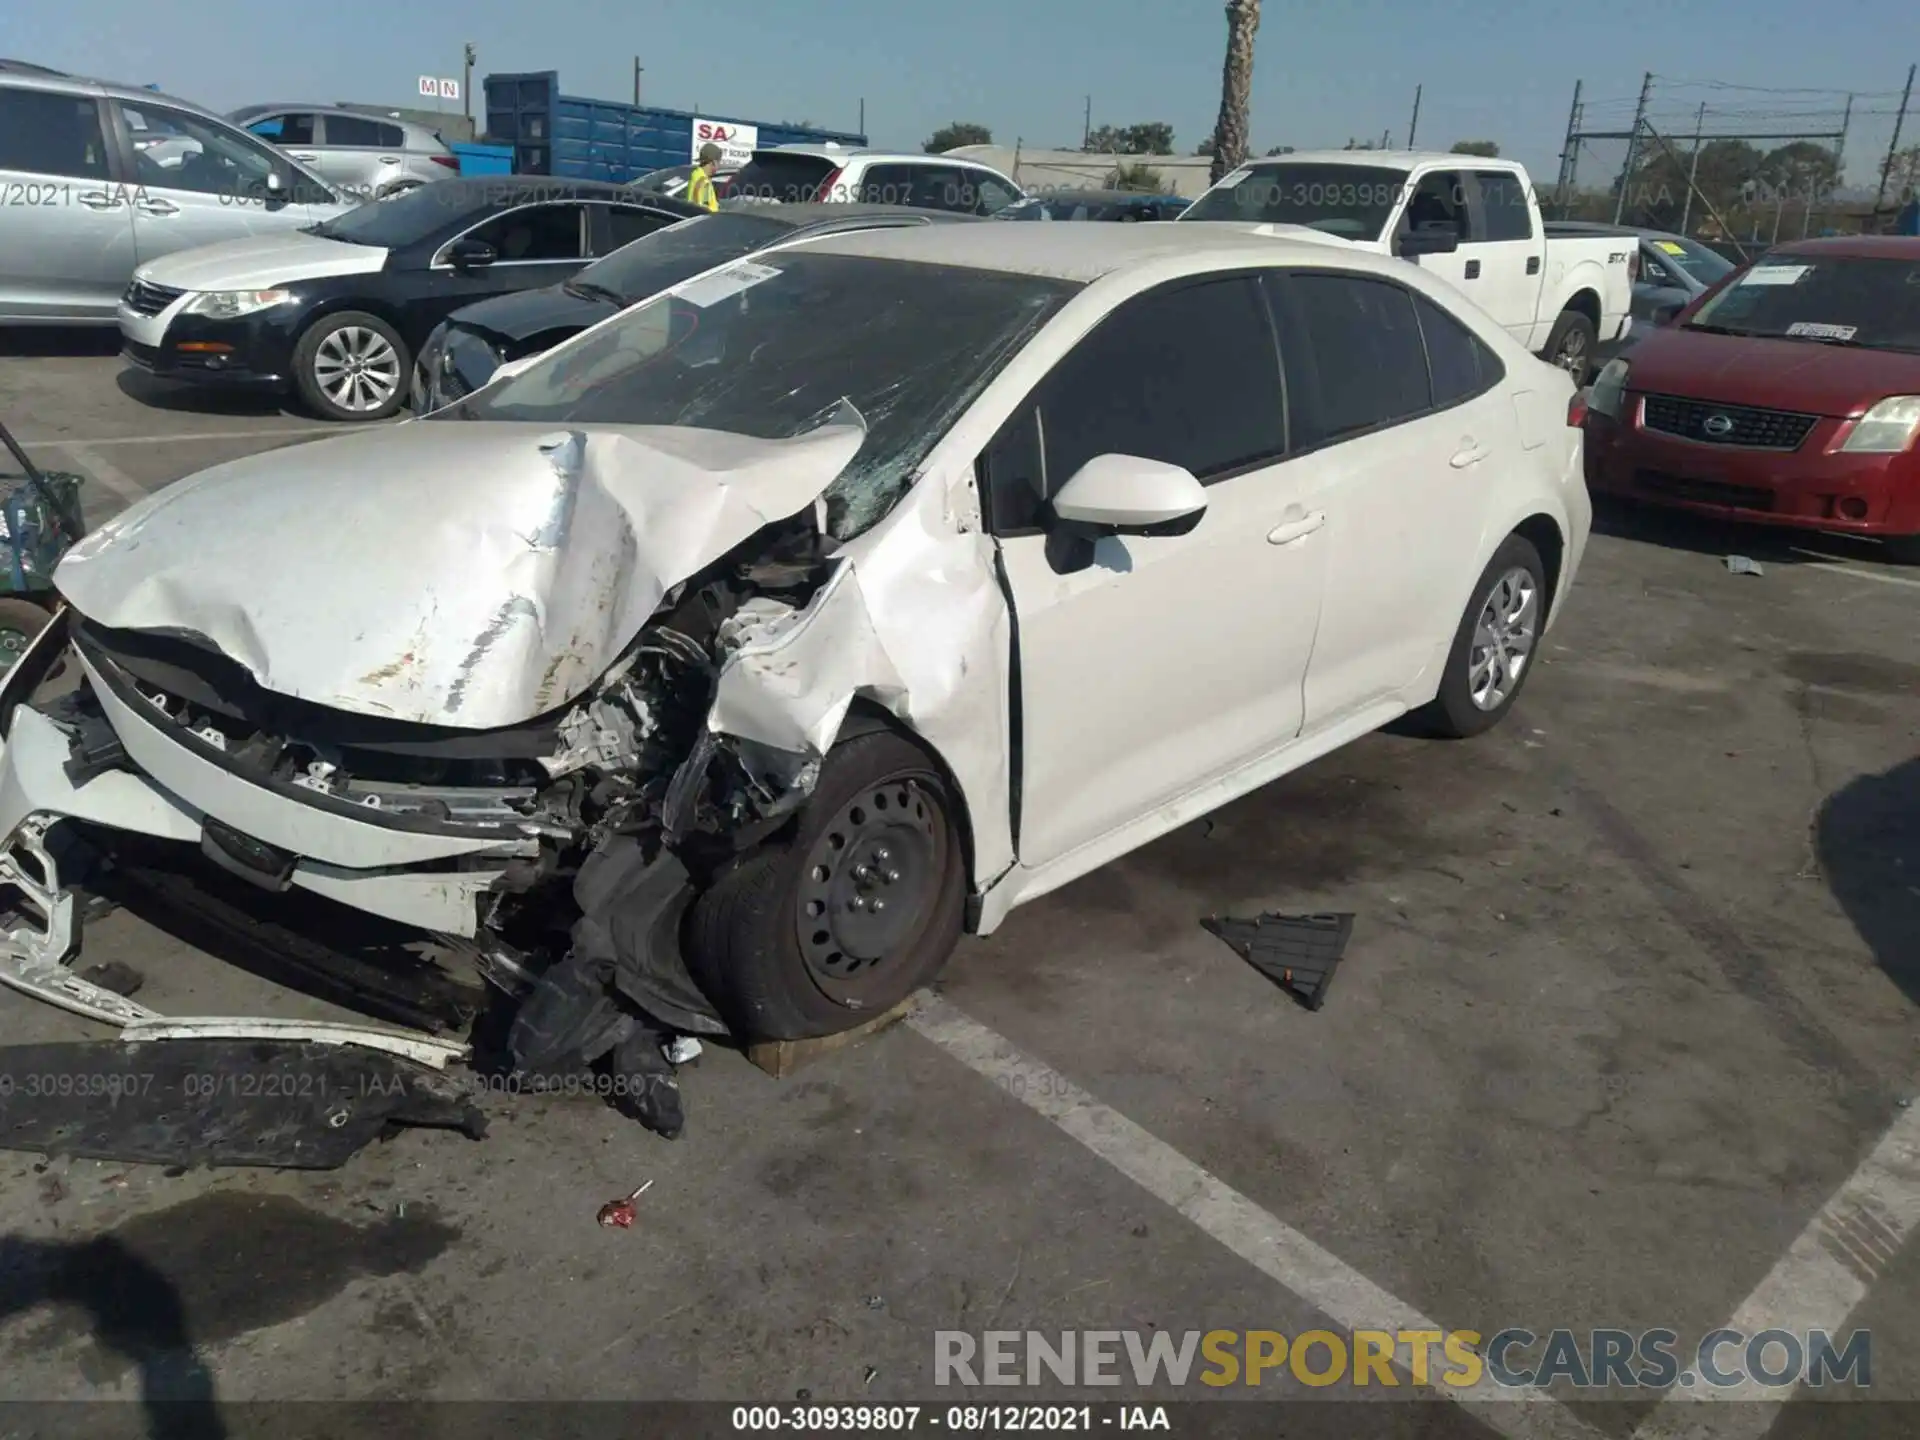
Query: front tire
(859, 909)
(1571, 344)
(352, 366)
(1494, 648)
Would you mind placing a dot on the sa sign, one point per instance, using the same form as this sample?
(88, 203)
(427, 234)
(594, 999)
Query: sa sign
(736, 142)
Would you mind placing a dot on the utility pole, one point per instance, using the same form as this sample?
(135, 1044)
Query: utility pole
(1086, 131)
(1386, 139)
(1893, 148)
(861, 129)
(466, 79)
(1633, 146)
(1414, 124)
(1693, 166)
(1568, 156)
(636, 81)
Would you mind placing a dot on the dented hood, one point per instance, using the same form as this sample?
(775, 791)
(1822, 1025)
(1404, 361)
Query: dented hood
(470, 574)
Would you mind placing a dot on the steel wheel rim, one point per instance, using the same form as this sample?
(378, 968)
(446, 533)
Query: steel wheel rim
(868, 887)
(1504, 635)
(357, 368)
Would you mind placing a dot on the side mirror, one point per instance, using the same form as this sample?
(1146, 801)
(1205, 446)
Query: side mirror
(471, 254)
(1428, 240)
(1128, 495)
(1668, 313)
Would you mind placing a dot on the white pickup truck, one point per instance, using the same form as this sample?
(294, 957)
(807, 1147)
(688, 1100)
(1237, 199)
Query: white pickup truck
(1474, 221)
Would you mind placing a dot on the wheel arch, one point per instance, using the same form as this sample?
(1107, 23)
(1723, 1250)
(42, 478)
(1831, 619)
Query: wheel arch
(866, 717)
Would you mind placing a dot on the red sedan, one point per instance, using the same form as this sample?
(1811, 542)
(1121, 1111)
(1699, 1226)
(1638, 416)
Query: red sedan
(1789, 394)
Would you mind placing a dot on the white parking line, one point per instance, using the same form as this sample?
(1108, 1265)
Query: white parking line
(1849, 571)
(1322, 1279)
(68, 444)
(108, 474)
(1818, 1283)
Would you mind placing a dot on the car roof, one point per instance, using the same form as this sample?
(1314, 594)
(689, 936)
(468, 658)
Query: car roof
(1396, 159)
(1853, 247)
(303, 108)
(827, 150)
(455, 190)
(849, 214)
(26, 75)
(1085, 252)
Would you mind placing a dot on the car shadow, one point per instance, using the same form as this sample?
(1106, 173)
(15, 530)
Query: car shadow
(158, 394)
(1867, 841)
(47, 342)
(135, 1313)
(1713, 535)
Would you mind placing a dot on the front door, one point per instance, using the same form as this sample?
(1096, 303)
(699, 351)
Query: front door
(533, 245)
(1400, 412)
(66, 229)
(1171, 659)
(198, 183)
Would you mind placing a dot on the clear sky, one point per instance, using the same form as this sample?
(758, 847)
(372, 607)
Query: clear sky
(1324, 69)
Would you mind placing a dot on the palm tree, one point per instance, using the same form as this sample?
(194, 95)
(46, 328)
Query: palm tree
(1236, 88)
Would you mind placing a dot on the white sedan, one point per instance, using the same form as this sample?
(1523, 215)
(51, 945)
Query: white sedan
(714, 672)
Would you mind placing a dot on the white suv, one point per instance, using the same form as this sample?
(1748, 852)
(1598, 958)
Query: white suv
(793, 174)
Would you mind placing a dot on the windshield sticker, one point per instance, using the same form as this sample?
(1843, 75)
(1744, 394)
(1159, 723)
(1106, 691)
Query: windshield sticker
(1775, 274)
(1822, 332)
(723, 284)
(1672, 247)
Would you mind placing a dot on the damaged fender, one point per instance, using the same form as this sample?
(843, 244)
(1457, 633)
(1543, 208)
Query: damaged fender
(498, 569)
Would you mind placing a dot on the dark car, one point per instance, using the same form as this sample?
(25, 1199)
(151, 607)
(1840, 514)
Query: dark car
(338, 310)
(1672, 269)
(461, 356)
(1120, 205)
(1788, 394)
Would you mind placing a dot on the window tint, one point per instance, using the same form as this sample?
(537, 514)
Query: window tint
(356, 130)
(1440, 199)
(1363, 346)
(627, 224)
(1503, 202)
(43, 133)
(1460, 364)
(535, 232)
(774, 175)
(284, 129)
(889, 185)
(1188, 376)
(991, 194)
(173, 150)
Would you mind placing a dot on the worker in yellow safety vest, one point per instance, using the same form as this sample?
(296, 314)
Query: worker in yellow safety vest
(700, 189)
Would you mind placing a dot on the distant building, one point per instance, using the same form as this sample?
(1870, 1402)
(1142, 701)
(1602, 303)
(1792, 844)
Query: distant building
(1045, 171)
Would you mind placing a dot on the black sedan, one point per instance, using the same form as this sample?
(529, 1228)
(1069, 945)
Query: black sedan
(462, 354)
(336, 312)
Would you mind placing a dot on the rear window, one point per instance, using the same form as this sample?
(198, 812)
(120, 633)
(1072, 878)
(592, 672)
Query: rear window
(1832, 300)
(666, 257)
(787, 179)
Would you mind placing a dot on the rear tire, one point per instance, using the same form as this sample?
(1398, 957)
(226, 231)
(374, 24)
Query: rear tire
(790, 943)
(330, 381)
(1570, 345)
(1502, 625)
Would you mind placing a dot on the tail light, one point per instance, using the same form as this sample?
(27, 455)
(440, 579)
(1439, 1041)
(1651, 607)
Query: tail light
(452, 162)
(824, 191)
(1577, 410)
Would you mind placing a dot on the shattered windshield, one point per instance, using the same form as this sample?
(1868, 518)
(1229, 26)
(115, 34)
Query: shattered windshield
(1351, 201)
(770, 350)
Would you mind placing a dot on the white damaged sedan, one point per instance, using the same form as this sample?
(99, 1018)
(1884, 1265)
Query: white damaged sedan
(715, 672)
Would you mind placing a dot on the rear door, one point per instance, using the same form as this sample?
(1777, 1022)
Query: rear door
(610, 226)
(1510, 249)
(362, 153)
(66, 228)
(1401, 462)
(198, 183)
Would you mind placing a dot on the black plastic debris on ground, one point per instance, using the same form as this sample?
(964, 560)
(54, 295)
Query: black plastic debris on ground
(287, 1104)
(1299, 953)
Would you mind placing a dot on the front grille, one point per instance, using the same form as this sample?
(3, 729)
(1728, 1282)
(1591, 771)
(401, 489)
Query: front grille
(1713, 424)
(1705, 492)
(145, 298)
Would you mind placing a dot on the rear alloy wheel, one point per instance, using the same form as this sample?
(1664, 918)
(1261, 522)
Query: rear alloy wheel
(352, 366)
(852, 915)
(1571, 346)
(1493, 649)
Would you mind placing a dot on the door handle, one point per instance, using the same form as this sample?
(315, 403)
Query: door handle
(1533, 264)
(1292, 530)
(151, 206)
(389, 159)
(1471, 452)
(1473, 269)
(99, 200)
(306, 155)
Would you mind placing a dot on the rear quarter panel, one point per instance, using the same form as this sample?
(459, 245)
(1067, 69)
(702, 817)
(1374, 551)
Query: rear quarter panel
(1592, 264)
